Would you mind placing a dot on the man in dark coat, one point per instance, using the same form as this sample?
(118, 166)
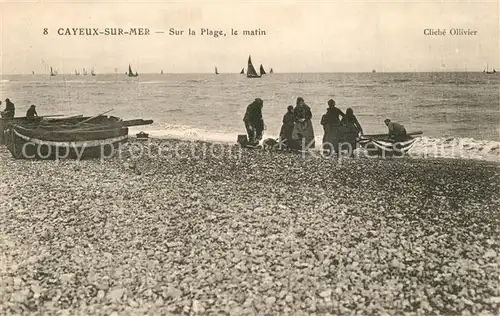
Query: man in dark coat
(10, 109)
(31, 113)
(254, 122)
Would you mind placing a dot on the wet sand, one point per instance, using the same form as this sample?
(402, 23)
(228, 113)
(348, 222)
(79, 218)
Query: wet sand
(249, 233)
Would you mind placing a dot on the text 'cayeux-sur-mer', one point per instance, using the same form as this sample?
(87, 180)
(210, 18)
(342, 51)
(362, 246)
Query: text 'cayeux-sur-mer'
(116, 31)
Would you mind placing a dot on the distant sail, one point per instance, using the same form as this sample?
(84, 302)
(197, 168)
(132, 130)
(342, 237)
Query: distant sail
(242, 71)
(161, 72)
(33, 72)
(271, 71)
(92, 72)
(262, 71)
(84, 72)
(251, 73)
(489, 72)
(216, 72)
(130, 73)
(52, 72)
(373, 71)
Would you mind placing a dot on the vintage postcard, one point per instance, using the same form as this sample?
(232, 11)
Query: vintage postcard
(249, 158)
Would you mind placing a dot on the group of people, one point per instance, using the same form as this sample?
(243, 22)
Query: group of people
(10, 110)
(297, 129)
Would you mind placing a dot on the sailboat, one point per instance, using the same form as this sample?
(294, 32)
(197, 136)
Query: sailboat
(92, 72)
(84, 72)
(77, 73)
(161, 72)
(271, 71)
(251, 73)
(242, 72)
(33, 72)
(262, 71)
(216, 72)
(130, 73)
(489, 72)
(52, 72)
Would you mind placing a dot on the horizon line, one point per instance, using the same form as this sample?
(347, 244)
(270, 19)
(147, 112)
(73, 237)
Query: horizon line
(237, 73)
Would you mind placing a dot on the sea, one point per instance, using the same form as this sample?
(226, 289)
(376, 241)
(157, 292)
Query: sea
(457, 113)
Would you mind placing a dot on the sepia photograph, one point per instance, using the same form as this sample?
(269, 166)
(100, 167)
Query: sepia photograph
(250, 157)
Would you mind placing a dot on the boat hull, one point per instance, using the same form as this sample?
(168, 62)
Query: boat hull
(386, 147)
(25, 143)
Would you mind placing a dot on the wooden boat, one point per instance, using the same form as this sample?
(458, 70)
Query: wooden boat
(73, 138)
(251, 73)
(92, 72)
(242, 72)
(262, 71)
(382, 146)
(216, 72)
(130, 73)
(142, 136)
(26, 120)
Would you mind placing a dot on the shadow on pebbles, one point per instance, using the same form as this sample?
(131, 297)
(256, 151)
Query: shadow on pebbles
(248, 232)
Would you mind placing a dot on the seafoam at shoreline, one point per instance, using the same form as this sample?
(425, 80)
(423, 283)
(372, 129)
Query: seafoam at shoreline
(424, 147)
(264, 233)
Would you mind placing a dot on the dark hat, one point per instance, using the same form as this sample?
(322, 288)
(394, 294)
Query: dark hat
(33, 106)
(259, 100)
(331, 102)
(300, 99)
(349, 111)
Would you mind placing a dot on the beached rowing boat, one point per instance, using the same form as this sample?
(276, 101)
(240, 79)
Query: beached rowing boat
(381, 145)
(76, 138)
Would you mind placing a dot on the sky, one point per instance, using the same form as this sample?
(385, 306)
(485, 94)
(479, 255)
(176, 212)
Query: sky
(334, 36)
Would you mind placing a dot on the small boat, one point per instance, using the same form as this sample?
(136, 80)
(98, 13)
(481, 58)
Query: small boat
(251, 73)
(77, 73)
(489, 72)
(84, 72)
(92, 72)
(161, 72)
(262, 71)
(130, 73)
(242, 72)
(142, 136)
(271, 71)
(382, 146)
(32, 72)
(87, 138)
(216, 72)
(373, 71)
(52, 73)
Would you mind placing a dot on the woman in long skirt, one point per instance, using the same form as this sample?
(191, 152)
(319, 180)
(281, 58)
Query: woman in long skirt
(350, 130)
(303, 132)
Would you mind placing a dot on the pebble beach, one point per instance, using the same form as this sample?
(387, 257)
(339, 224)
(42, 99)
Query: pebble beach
(248, 232)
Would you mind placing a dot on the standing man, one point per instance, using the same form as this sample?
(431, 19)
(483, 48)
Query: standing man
(254, 123)
(10, 109)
